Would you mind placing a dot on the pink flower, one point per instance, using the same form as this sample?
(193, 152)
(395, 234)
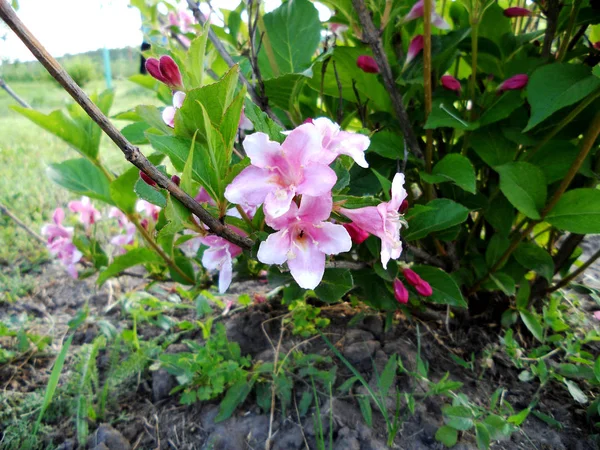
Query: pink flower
(367, 64)
(336, 142)
(219, 256)
(191, 246)
(420, 285)
(417, 11)
(245, 123)
(182, 20)
(383, 221)
(122, 240)
(338, 29)
(414, 48)
(88, 215)
(166, 71)
(60, 242)
(517, 11)
(203, 197)
(357, 234)
(308, 120)
(148, 209)
(303, 239)
(56, 230)
(281, 171)
(451, 83)
(168, 114)
(513, 83)
(400, 291)
(597, 315)
(116, 213)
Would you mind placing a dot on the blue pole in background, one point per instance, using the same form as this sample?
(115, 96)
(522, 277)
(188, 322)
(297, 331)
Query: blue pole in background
(107, 70)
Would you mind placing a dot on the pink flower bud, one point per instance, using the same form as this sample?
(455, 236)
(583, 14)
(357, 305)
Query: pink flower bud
(166, 71)
(400, 292)
(144, 223)
(147, 179)
(424, 289)
(357, 234)
(596, 45)
(403, 206)
(415, 47)
(175, 179)
(517, 11)
(514, 83)
(451, 83)
(411, 277)
(307, 120)
(367, 64)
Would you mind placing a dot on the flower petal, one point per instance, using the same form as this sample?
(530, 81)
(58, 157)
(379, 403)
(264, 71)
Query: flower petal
(178, 98)
(302, 145)
(398, 192)
(262, 151)
(318, 179)
(274, 250)
(250, 187)
(332, 238)
(213, 257)
(168, 116)
(315, 209)
(353, 145)
(225, 273)
(278, 202)
(367, 218)
(307, 265)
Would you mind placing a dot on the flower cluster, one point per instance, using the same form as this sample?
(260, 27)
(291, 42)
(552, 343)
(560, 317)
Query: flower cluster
(60, 242)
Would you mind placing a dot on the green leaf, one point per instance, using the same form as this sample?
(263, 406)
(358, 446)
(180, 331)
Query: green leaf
(455, 168)
(524, 185)
(518, 419)
(129, 259)
(555, 86)
(502, 108)
(597, 369)
(122, 189)
(458, 417)
(284, 91)
(387, 144)
(492, 147)
(496, 248)
(387, 377)
(443, 114)
(498, 427)
(334, 285)
(555, 158)
(576, 392)
(501, 281)
(522, 299)
(195, 59)
(236, 395)
(445, 289)
(577, 211)
(82, 177)
(444, 213)
(500, 214)
(535, 258)
(447, 436)
(292, 35)
(186, 176)
(365, 409)
(149, 193)
(482, 435)
(263, 123)
(533, 324)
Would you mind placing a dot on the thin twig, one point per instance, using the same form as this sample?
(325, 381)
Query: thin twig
(15, 219)
(566, 280)
(423, 255)
(427, 6)
(193, 6)
(13, 94)
(371, 36)
(552, 11)
(340, 111)
(131, 152)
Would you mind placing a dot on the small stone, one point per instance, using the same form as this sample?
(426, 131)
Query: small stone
(360, 353)
(162, 384)
(289, 439)
(110, 437)
(347, 440)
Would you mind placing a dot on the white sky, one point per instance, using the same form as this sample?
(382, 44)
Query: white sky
(76, 26)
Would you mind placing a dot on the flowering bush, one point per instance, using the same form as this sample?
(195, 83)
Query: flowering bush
(345, 155)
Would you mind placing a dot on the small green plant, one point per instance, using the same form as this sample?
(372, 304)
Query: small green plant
(16, 339)
(305, 318)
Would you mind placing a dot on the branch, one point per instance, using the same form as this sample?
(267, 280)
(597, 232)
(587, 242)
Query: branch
(552, 12)
(193, 6)
(6, 211)
(566, 280)
(131, 152)
(13, 94)
(372, 37)
(423, 255)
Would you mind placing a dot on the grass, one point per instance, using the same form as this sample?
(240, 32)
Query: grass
(25, 152)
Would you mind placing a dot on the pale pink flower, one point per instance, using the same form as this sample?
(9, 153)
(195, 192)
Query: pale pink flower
(383, 220)
(400, 291)
(336, 142)
(116, 213)
(219, 256)
(303, 238)
(513, 83)
(181, 19)
(417, 11)
(597, 315)
(281, 171)
(60, 242)
(148, 209)
(56, 230)
(228, 306)
(191, 246)
(166, 71)
(245, 123)
(88, 215)
(338, 29)
(414, 48)
(122, 240)
(168, 114)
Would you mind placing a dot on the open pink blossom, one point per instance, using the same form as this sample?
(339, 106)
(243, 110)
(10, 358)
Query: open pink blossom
(517, 11)
(56, 230)
(367, 64)
(88, 215)
(60, 242)
(168, 114)
(417, 12)
(414, 48)
(148, 209)
(303, 238)
(122, 240)
(281, 171)
(191, 246)
(400, 291)
(219, 256)
(166, 71)
(383, 221)
(514, 83)
(451, 83)
(337, 142)
(116, 213)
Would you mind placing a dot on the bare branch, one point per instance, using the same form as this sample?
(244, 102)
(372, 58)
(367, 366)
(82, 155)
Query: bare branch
(193, 6)
(131, 152)
(372, 37)
(423, 255)
(7, 212)
(13, 94)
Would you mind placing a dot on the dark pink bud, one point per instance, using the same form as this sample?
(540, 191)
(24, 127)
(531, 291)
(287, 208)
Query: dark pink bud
(424, 289)
(414, 48)
(400, 292)
(403, 206)
(411, 277)
(147, 179)
(357, 234)
(596, 45)
(308, 120)
(144, 223)
(175, 179)
(166, 71)
(451, 83)
(514, 83)
(517, 11)
(367, 64)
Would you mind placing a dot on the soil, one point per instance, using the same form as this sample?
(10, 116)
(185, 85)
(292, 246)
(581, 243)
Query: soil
(145, 416)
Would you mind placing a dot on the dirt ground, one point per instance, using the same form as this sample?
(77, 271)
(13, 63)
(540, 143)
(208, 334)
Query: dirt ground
(144, 416)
